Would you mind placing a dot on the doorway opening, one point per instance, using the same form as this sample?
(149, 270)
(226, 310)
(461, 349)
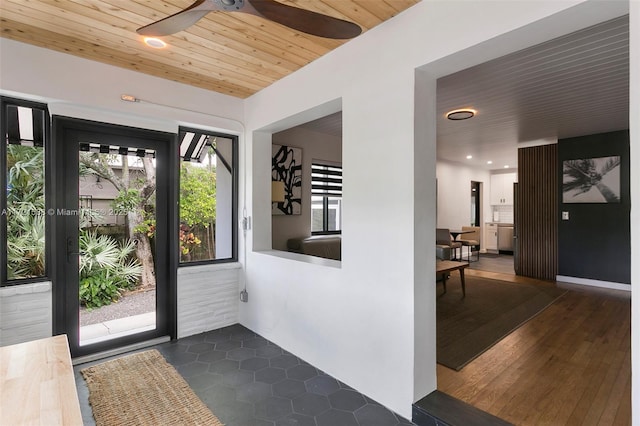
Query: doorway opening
(475, 203)
(116, 274)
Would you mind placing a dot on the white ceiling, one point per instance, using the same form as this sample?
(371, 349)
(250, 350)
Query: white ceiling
(574, 85)
(330, 125)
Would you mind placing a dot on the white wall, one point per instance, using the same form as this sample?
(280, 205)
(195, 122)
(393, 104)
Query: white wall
(634, 133)
(81, 88)
(30, 72)
(315, 146)
(454, 194)
(360, 319)
(225, 227)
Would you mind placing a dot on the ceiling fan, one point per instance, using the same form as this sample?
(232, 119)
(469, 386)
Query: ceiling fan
(299, 19)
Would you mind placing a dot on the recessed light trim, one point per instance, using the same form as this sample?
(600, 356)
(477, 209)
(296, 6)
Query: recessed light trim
(461, 114)
(156, 43)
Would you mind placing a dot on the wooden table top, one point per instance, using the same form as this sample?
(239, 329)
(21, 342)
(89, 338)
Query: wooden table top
(449, 265)
(37, 385)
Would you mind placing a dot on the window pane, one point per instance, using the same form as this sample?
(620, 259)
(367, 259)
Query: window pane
(326, 200)
(316, 213)
(25, 209)
(206, 197)
(335, 214)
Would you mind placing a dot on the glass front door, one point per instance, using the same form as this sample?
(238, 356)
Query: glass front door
(116, 241)
(114, 220)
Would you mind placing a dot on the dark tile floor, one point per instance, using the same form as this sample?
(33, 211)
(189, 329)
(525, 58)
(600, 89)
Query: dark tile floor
(248, 381)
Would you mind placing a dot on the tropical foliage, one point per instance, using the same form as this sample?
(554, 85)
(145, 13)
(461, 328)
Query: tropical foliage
(106, 269)
(25, 212)
(108, 265)
(197, 212)
(135, 199)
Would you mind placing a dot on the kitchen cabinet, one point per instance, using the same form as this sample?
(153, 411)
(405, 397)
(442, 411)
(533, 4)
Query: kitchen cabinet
(502, 189)
(491, 237)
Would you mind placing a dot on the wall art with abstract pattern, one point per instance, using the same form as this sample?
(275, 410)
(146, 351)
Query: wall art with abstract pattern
(286, 166)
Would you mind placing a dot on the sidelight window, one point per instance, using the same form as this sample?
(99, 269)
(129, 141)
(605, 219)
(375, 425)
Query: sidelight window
(23, 211)
(208, 195)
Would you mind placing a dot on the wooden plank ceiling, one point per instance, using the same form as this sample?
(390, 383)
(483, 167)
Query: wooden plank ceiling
(232, 53)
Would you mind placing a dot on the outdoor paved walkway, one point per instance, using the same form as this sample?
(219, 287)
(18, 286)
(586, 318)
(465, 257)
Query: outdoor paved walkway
(106, 330)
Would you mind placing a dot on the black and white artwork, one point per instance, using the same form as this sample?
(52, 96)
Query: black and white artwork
(286, 166)
(591, 180)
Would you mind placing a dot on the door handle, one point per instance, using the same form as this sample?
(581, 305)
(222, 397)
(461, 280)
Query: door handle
(70, 251)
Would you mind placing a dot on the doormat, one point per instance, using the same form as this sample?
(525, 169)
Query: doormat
(143, 389)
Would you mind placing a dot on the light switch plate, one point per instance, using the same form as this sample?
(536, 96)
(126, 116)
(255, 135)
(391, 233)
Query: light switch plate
(565, 215)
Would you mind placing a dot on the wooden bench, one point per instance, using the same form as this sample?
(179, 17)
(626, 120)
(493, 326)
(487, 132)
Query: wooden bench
(443, 267)
(38, 385)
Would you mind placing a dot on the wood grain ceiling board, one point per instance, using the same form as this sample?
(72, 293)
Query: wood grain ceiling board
(231, 53)
(574, 85)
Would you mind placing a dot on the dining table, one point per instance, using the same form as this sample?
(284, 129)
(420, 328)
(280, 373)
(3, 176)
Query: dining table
(455, 232)
(454, 235)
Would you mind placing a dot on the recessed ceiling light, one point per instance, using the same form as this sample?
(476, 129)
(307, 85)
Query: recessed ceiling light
(156, 43)
(489, 162)
(506, 166)
(469, 157)
(461, 114)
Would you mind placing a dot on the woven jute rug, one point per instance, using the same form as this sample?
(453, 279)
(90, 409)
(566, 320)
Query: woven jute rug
(143, 389)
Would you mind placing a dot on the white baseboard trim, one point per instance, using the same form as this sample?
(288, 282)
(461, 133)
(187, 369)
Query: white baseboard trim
(594, 283)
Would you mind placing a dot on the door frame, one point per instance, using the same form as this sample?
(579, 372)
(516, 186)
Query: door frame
(62, 129)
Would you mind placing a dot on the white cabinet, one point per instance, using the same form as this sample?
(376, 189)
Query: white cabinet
(502, 189)
(491, 236)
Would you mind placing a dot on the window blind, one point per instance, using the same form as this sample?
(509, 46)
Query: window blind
(326, 180)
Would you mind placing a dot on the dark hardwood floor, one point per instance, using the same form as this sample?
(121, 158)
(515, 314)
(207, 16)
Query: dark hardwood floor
(570, 365)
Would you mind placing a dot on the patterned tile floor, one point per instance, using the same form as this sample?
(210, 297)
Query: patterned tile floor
(248, 381)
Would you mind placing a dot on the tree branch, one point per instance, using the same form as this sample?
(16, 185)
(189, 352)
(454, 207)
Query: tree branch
(98, 164)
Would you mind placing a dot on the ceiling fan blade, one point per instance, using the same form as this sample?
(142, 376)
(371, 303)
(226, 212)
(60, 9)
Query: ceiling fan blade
(179, 21)
(302, 20)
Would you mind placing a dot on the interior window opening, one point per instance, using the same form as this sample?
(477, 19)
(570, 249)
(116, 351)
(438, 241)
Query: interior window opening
(306, 188)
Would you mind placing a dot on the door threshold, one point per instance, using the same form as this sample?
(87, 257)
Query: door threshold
(120, 350)
(120, 327)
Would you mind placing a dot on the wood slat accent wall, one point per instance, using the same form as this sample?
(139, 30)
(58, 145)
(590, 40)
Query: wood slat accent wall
(536, 212)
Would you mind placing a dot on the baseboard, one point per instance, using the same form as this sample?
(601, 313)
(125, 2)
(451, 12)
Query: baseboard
(594, 283)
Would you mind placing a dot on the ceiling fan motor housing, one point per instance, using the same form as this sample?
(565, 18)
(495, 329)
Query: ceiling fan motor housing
(230, 5)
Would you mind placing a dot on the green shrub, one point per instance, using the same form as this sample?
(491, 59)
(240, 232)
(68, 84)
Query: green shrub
(105, 269)
(99, 289)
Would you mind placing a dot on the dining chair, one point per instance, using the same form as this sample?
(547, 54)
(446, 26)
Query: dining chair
(443, 237)
(471, 240)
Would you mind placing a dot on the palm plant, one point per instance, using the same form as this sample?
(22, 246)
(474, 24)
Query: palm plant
(106, 268)
(25, 243)
(25, 212)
